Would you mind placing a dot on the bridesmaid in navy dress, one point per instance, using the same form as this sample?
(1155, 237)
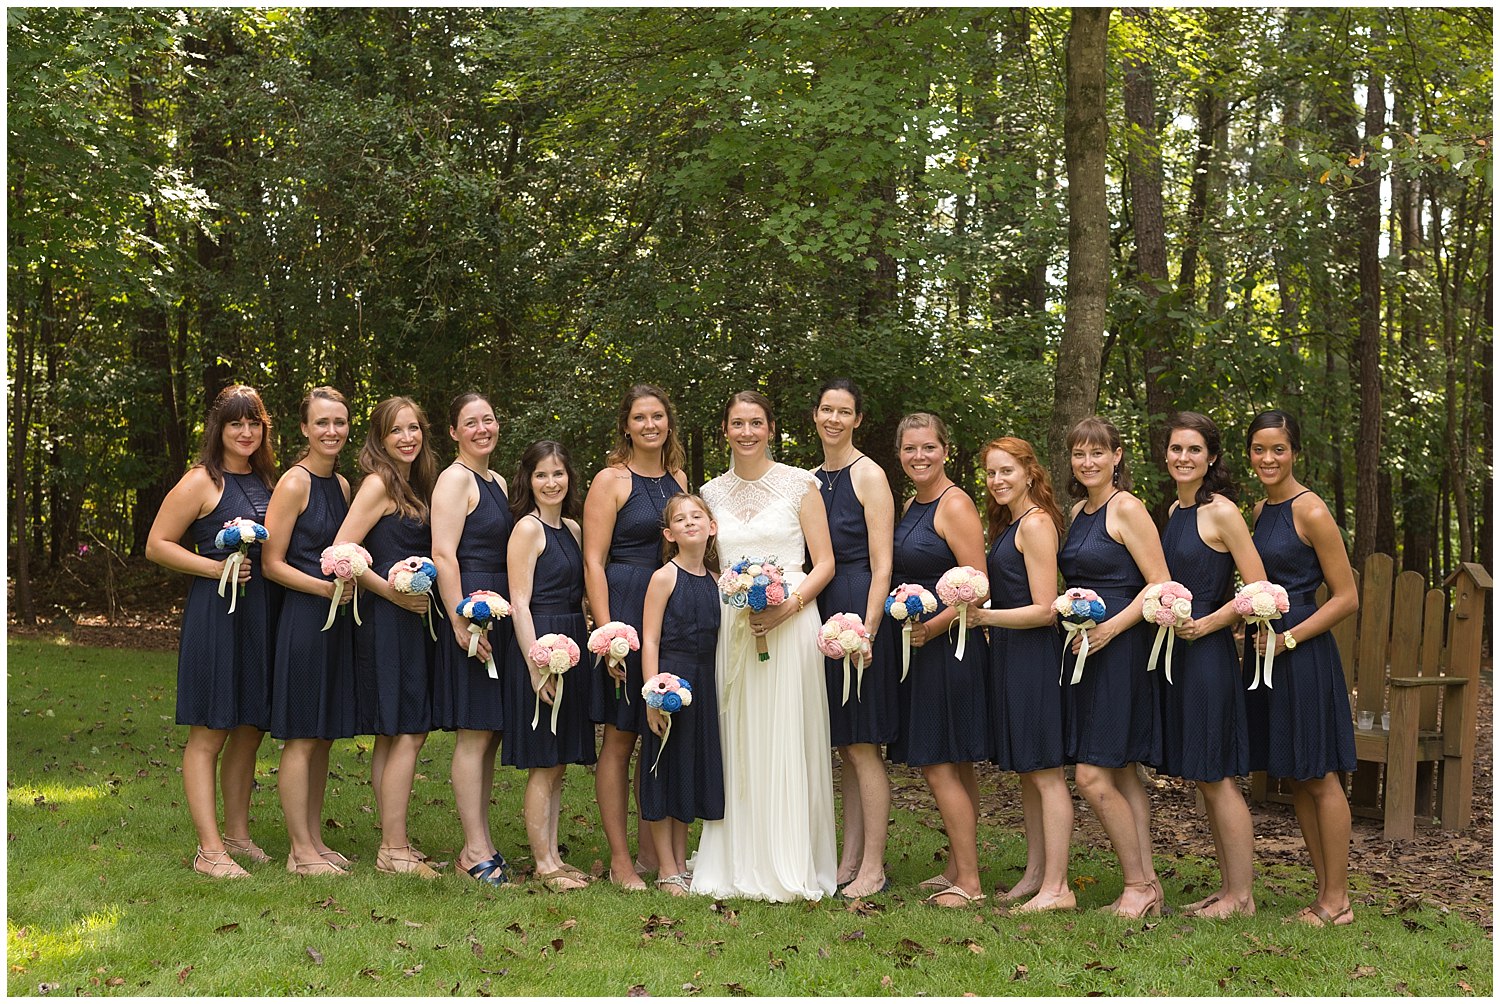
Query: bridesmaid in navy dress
(943, 701)
(1026, 699)
(679, 636)
(621, 550)
(861, 519)
(1204, 735)
(1113, 714)
(546, 582)
(1300, 728)
(471, 526)
(312, 682)
(393, 650)
(223, 664)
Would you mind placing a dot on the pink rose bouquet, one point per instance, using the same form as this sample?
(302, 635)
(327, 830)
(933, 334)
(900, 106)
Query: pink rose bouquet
(1166, 604)
(756, 583)
(346, 562)
(239, 534)
(1080, 609)
(841, 637)
(906, 605)
(481, 609)
(962, 587)
(554, 655)
(611, 643)
(1260, 603)
(416, 576)
(668, 694)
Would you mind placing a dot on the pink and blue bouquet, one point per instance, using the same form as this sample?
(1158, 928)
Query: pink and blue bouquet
(961, 588)
(554, 655)
(754, 584)
(346, 562)
(1080, 609)
(238, 534)
(907, 604)
(612, 643)
(1260, 603)
(1166, 604)
(416, 576)
(481, 609)
(668, 694)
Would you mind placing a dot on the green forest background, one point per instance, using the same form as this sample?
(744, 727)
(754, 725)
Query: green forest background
(1220, 209)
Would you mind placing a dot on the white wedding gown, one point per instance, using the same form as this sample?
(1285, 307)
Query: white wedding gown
(776, 840)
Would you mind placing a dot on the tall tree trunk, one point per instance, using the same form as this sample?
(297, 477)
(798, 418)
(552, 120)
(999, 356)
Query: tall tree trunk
(1367, 452)
(23, 347)
(1085, 138)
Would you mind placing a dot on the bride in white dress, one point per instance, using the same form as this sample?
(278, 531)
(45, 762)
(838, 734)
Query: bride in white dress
(776, 840)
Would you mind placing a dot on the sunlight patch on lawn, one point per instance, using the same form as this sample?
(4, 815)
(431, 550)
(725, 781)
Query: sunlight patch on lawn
(39, 946)
(27, 794)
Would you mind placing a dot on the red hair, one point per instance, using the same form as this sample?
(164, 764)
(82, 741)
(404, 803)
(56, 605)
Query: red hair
(1040, 485)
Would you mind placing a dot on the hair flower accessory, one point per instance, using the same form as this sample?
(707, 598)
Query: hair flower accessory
(754, 583)
(482, 608)
(1260, 603)
(962, 587)
(668, 694)
(906, 605)
(1080, 609)
(416, 576)
(611, 643)
(239, 534)
(554, 655)
(346, 562)
(843, 636)
(1166, 604)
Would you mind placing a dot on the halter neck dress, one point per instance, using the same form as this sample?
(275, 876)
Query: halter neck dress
(393, 651)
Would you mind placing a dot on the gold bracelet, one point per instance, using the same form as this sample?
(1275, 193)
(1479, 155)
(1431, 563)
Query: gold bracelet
(801, 603)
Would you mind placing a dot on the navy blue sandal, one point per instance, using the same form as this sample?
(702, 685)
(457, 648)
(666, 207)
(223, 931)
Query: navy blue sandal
(491, 871)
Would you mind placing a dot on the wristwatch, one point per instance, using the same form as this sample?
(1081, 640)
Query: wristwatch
(1291, 642)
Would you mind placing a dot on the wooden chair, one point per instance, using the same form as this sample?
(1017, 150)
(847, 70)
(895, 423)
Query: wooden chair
(1401, 659)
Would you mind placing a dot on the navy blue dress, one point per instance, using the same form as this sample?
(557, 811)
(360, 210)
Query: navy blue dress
(1113, 714)
(393, 651)
(1204, 736)
(634, 556)
(872, 714)
(224, 659)
(1300, 728)
(688, 782)
(312, 689)
(556, 608)
(1026, 701)
(463, 695)
(943, 704)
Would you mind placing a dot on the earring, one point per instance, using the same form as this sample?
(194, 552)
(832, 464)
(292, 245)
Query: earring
(1028, 484)
(1114, 477)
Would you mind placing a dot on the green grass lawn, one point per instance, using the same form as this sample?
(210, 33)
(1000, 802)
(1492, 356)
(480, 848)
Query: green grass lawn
(101, 899)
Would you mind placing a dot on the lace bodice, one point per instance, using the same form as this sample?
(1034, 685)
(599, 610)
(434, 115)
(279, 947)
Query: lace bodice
(760, 518)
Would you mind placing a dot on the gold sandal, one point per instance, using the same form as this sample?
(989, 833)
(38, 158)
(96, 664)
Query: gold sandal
(320, 866)
(220, 865)
(247, 848)
(557, 880)
(389, 862)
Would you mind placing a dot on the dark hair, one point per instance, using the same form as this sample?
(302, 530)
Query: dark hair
(1218, 480)
(1040, 488)
(669, 548)
(847, 386)
(754, 397)
(413, 491)
(304, 410)
(463, 401)
(672, 455)
(522, 501)
(1275, 419)
(235, 402)
(1096, 431)
(922, 420)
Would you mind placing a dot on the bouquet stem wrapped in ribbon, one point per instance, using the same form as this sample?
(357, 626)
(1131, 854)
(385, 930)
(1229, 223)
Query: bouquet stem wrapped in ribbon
(959, 588)
(906, 605)
(416, 576)
(1260, 603)
(346, 562)
(482, 608)
(1166, 604)
(239, 534)
(612, 642)
(1080, 609)
(668, 694)
(554, 655)
(754, 583)
(841, 637)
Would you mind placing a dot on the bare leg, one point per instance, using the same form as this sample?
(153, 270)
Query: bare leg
(1099, 787)
(199, 758)
(873, 805)
(611, 791)
(472, 760)
(1331, 810)
(1055, 823)
(1305, 807)
(378, 759)
(1128, 780)
(1234, 839)
(955, 804)
(1031, 818)
(542, 786)
(645, 844)
(237, 778)
(318, 792)
(395, 788)
(292, 784)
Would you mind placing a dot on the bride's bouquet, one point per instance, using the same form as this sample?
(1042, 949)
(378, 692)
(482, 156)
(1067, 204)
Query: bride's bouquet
(754, 583)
